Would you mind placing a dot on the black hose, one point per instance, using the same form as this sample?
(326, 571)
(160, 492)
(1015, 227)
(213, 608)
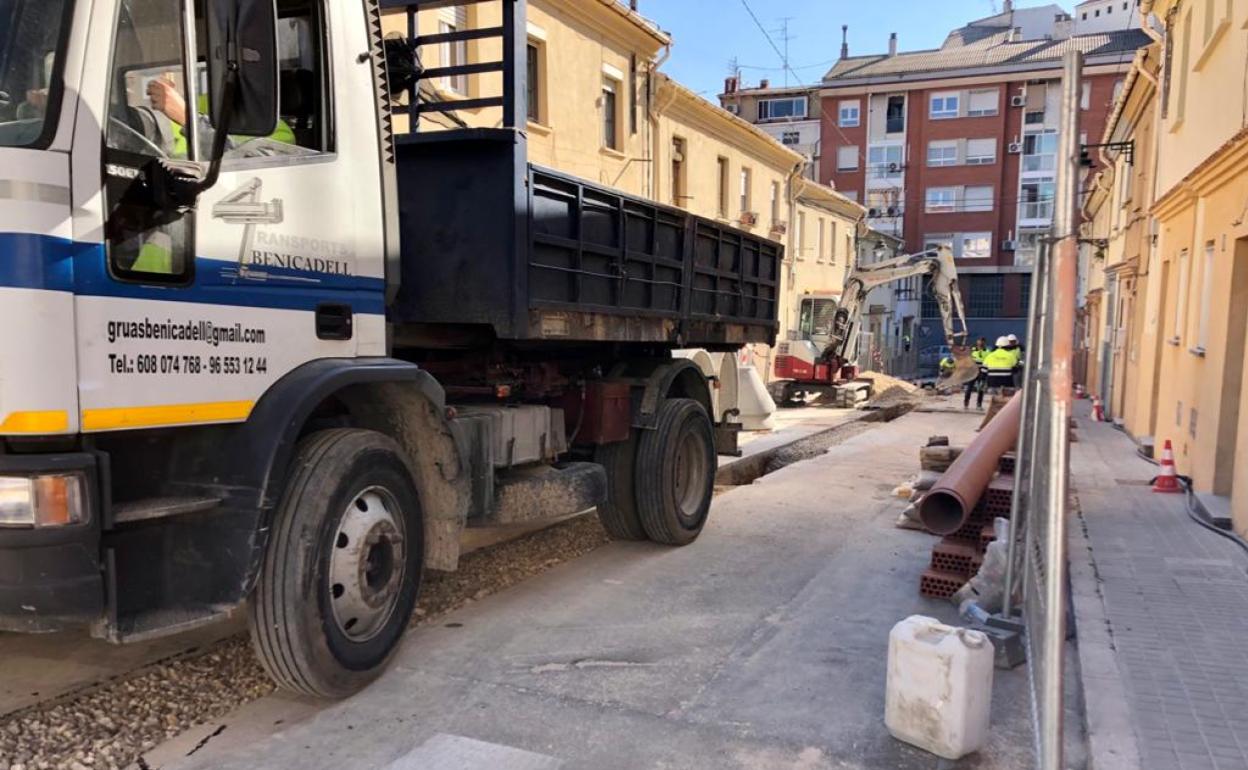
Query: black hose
(1190, 507)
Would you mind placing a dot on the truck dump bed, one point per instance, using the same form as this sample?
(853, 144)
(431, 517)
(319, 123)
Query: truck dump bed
(489, 240)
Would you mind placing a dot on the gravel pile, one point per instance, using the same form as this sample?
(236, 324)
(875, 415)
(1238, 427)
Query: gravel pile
(110, 725)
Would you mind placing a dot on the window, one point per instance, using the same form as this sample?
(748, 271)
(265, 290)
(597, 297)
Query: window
(1206, 297)
(782, 109)
(975, 246)
(895, 115)
(832, 242)
(722, 165)
(534, 82)
(944, 153)
(849, 116)
(454, 54)
(885, 160)
(985, 296)
(981, 152)
(850, 195)
(1085, 95)
(1181, 107)
(791, 138)
(982, 102)
(746, 183)
(679, 198)
(800, 235)
(1024, 294)
(610, 114)
(977, 198)
(941, 200)
(1210, 13)
(1040, 152)
(775, 203)
(30, 71)
(1036, 202)
(944, 105)
(149, 59)
(820, 244)
(847, 158)
(1180, 305)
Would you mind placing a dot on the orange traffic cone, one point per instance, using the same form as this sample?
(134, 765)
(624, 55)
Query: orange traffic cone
(1168, 479)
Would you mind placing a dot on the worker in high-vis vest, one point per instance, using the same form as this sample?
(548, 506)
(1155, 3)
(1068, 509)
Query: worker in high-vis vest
(1000, 363)
(978, 385)
(164, 125)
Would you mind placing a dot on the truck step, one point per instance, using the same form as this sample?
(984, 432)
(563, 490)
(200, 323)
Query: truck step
(155, 624)
(161, 507)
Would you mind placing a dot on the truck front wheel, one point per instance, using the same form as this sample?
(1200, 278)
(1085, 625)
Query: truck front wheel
(675, 473)
(342, 566)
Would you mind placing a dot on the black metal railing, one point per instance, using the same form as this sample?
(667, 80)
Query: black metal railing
(510, 65)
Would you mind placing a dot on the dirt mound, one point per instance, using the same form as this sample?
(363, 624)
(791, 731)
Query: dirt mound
(882, 383)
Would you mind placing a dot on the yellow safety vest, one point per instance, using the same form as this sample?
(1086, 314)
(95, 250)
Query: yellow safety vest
(1000, 360)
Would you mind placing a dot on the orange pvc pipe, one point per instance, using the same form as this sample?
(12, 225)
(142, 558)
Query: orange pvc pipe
(948, 504)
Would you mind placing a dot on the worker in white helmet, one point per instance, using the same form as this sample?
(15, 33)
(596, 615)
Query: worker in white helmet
(1000, 364)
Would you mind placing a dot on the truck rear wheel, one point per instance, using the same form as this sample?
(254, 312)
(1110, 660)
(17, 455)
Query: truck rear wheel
(675, 473)
(342, 566)
(618, 514)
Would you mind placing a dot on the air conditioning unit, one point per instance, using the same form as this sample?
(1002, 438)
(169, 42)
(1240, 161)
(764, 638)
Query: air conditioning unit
(749, 218)
(734, 109)
(893, 168)
(894, 211)
(1015, 148)
(1009, 245)
(779, 228)
(1018, 100)
(873, 212)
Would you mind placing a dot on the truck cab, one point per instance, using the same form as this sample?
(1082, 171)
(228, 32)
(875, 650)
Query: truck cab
(265, 356)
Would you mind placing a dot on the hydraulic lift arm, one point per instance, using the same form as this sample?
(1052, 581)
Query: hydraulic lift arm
(936, 263)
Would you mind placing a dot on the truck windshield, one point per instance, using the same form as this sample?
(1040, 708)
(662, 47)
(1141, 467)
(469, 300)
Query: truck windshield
(31, 32)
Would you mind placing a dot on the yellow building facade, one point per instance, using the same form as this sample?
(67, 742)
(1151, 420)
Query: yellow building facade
(1174, 285)
(601, 109)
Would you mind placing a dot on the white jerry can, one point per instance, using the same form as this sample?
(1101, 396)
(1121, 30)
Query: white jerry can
(939, 689)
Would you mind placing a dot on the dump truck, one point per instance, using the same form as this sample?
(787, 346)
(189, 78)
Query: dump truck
(266, 355)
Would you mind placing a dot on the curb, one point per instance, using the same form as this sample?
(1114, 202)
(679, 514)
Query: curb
(1110, 734)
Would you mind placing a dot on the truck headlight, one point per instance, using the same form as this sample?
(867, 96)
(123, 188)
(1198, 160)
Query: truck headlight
(51, 500)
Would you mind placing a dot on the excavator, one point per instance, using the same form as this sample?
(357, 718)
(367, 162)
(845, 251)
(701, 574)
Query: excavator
(804, 368)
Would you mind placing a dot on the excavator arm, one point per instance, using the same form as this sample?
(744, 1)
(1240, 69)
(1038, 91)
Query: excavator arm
(939, 266)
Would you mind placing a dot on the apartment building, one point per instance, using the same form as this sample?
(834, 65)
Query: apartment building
(1167, 307)
(957, 145)
(790, 115)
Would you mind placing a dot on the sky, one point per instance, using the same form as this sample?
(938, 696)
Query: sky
(707, 34)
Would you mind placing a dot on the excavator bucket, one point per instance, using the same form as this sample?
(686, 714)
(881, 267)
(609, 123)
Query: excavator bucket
(965, 369)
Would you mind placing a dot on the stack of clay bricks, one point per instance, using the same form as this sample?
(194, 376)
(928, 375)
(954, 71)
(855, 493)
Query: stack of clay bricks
(957, 557)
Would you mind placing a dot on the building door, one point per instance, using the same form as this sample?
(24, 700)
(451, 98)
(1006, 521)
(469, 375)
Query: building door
(1232, 375)
(1107, 347)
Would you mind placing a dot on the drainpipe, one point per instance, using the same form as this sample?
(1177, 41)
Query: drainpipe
(652, 117)
(791, 183)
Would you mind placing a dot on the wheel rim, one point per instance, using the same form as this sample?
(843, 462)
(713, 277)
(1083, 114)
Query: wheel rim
(366, 564)
(690, 476)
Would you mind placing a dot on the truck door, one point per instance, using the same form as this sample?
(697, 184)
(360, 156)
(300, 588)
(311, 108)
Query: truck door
(189, 316)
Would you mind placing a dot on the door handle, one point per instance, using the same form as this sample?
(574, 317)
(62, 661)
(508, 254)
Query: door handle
(334, 321)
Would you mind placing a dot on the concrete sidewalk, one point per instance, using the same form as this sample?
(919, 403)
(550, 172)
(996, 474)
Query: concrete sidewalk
(762, 645)
(1162, 615)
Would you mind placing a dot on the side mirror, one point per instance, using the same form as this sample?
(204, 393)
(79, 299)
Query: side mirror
(242, 67)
